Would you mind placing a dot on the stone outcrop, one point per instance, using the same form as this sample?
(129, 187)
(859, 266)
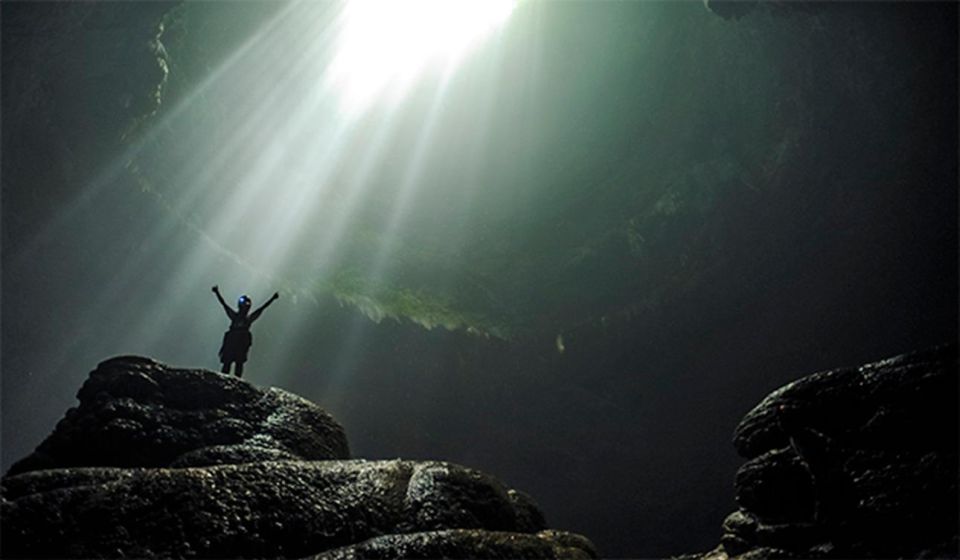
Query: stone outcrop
(851, 463)
(461, 543)
(135, 412)
(181, 463)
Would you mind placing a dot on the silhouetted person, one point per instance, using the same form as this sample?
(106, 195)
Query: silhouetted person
(237, 340)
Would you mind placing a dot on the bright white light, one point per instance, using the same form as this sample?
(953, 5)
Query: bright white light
(389, 42)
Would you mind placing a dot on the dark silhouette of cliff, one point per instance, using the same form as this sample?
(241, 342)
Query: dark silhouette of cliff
(851, 463)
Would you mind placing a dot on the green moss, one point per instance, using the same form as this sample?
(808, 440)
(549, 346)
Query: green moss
(379, 301)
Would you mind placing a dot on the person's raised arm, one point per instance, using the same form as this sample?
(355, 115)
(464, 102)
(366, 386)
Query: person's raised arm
(230, 312)
(259, 310)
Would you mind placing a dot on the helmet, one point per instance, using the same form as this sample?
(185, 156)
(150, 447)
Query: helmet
(244, 301)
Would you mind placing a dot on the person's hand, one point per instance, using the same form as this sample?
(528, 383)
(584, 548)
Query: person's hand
(276, 295)
(215, 289)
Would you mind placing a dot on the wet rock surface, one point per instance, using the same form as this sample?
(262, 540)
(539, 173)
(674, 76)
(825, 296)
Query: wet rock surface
(180, 463)
(851, 463)
(262, 509)
(135, 412)
(461, 543)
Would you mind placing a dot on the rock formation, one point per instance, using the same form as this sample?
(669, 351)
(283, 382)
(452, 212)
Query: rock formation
(851, 463)
(135, 412)
(179, 463)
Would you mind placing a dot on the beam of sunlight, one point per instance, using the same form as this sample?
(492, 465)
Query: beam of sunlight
(409, 184)
(328, 128)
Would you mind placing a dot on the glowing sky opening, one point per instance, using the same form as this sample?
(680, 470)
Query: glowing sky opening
(389, 43)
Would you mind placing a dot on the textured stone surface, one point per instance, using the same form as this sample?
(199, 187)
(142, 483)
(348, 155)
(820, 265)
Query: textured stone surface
(135, 412)
(162, 462)
(851, 463)
(460, 543)
(776, 486)
(906, 401)
(266, 509)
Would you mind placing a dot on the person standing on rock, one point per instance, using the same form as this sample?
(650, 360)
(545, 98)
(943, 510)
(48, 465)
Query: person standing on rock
(237, 340)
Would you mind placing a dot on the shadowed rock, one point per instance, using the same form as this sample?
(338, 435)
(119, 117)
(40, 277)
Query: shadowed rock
(776, 486)
(265, 509)
(460, 543)
(851, 463)
(909, 399)
(135, 412)
(161, 462)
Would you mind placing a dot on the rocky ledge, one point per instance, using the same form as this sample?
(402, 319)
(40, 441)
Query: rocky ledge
(851, 463)
(182, 463)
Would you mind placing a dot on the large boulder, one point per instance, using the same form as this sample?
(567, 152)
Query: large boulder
(136, 412)
(851, 463)
(466, 543)
(907, 401)
(161, 462)
(264, 509)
